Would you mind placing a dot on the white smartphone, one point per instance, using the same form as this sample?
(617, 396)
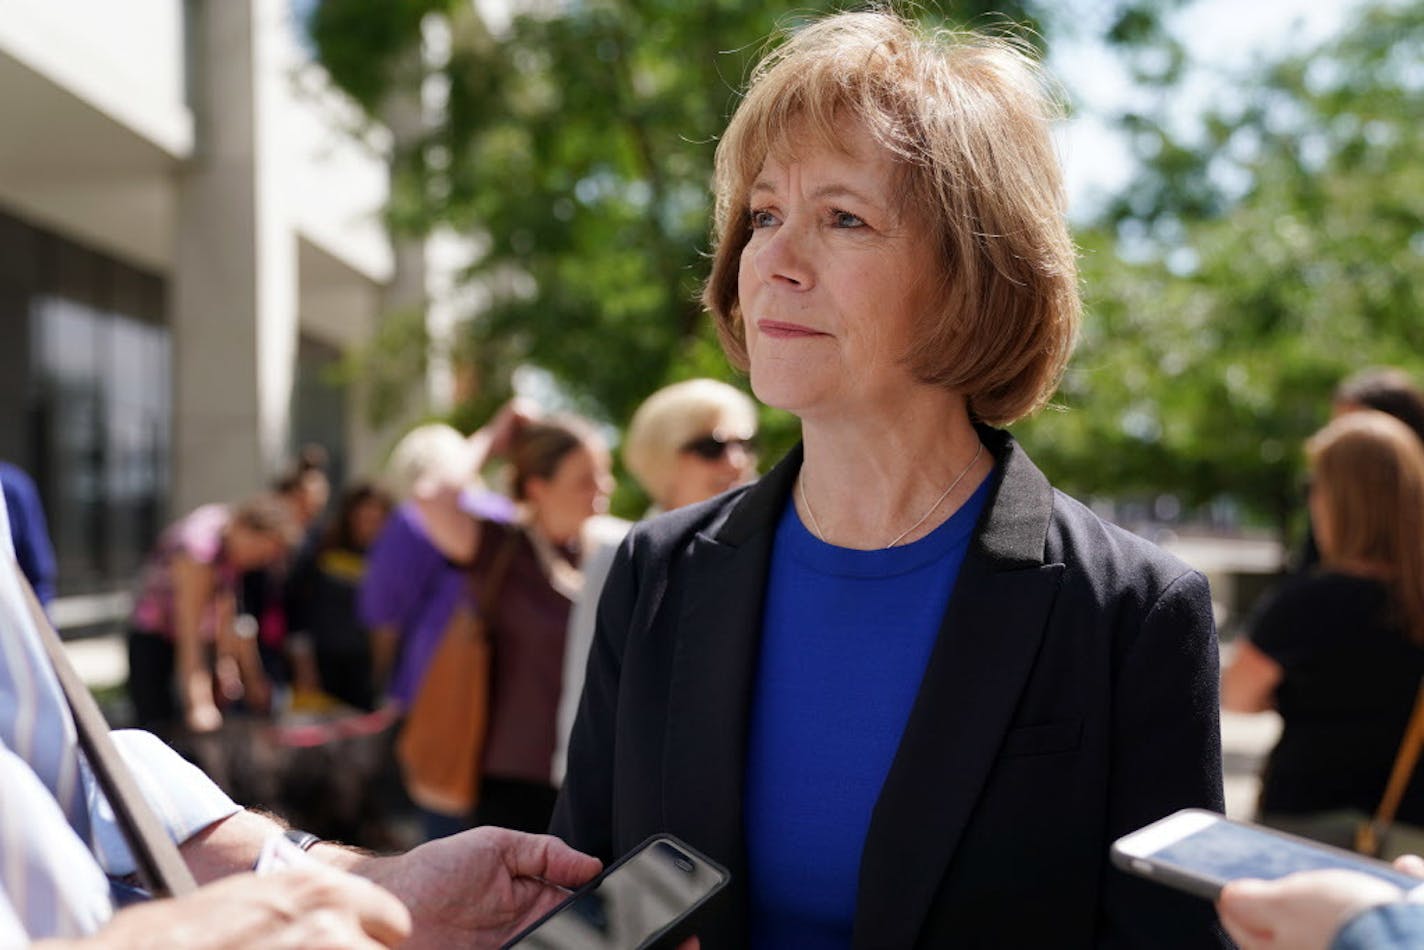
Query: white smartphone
(1200, 851)
(641, 900)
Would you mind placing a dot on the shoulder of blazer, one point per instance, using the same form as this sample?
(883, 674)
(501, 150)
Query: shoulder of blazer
(728, 519)
(1107, 557)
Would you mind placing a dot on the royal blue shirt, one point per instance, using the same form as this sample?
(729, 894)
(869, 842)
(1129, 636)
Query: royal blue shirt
(846, 637)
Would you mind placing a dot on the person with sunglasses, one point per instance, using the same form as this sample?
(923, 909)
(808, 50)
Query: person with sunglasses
(686, 443)
(690, 441)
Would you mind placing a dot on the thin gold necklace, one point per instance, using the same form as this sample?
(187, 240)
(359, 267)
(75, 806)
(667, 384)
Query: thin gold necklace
(821, 535)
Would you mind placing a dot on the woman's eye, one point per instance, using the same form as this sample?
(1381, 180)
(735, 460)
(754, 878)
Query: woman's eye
(844, 219)
(761, 218)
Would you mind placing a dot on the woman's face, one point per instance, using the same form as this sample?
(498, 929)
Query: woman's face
(250, 550)
(578, 489)
(833, 281)
(720, 459)
(367, 519)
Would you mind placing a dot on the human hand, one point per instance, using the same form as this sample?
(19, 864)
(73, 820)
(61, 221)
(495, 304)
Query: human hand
(480, 887)
(508, 421)
(1300, 911)
(1410, 864)
(309, 906)
(203, 717)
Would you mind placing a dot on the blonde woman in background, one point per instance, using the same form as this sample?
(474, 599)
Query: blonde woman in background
(690, 441)
(686, 443)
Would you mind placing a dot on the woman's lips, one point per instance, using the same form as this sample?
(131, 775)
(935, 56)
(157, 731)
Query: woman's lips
(776, 329)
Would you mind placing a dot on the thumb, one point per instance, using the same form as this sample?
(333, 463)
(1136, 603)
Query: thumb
(1247, 905)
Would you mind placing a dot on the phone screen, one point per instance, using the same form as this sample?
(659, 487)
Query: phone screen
(630, 903)
(1225, 851)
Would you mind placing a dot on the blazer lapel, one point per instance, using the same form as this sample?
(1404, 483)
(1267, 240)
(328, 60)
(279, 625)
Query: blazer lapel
(985, 652)
(713, 668)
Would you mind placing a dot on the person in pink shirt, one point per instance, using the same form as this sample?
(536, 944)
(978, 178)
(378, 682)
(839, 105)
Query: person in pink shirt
(190, 643)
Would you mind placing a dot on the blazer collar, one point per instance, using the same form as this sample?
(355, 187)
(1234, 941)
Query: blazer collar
(1010, 534)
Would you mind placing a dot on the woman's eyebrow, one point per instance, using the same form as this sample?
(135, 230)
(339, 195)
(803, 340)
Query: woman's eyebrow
(828, 190)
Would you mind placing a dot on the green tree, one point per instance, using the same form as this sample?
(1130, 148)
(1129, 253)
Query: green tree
(579, 145)
(1246, 272)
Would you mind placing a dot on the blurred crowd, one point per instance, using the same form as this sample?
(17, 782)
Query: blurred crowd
(280, 641)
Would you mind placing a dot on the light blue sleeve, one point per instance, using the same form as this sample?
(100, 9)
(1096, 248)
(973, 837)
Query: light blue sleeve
(1387, 927)
(185, 800)
(50, 885)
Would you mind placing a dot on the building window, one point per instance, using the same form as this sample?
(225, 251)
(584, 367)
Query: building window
(99, 411)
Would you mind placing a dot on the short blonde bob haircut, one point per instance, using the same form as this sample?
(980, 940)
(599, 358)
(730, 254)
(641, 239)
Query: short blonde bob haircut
(676, 415)
(966, 117)
(1369, 467)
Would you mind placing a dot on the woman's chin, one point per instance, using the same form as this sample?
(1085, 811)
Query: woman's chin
(793, 394)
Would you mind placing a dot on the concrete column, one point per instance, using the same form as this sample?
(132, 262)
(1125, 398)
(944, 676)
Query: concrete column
(234, 280)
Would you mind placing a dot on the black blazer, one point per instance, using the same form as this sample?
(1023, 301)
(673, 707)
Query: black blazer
(1070, 698)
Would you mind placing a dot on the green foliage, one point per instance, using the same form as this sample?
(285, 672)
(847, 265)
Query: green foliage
(579, 146)
(363, 43)
(1278, 254)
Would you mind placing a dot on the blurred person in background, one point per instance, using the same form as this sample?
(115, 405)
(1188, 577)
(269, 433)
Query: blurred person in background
(690, 441)
(560, 478)
(329, 646)
(188, 631)
(1387, 389)
(409, 589)
(305, 489)
(30, 531)
(687, 442)
(1339, 650)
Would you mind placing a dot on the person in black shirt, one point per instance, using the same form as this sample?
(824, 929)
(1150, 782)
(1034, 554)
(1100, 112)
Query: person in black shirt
(1339, 651)
(325, 635)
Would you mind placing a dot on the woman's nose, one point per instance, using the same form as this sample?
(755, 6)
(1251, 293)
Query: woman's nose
(783, 257)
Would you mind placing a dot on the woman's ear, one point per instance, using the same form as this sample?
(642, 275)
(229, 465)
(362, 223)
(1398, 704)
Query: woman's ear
(536, 489)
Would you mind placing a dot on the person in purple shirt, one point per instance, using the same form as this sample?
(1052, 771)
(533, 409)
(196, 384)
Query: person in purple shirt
(31, 534)
(409, 591)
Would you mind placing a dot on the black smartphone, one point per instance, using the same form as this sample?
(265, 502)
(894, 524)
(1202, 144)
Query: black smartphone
(638, 901)
(1200, 851)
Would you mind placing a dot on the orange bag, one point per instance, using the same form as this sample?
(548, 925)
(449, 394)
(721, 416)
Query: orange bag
(442, 742)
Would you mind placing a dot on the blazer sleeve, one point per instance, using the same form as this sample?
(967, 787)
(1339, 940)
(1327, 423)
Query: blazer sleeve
(583, 815)
(1167, 756)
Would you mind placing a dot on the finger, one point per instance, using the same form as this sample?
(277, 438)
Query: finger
(545, 857)
(1410, 864)
(381, 914)
(1244, 937)
(1248, 903)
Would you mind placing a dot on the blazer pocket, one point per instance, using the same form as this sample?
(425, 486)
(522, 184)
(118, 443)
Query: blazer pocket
(1042, 738)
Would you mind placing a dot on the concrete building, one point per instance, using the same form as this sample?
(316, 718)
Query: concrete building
(190, 236)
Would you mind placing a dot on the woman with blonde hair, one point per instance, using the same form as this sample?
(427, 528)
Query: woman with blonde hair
(1339, 651)
(690, 441)
(907, 692)
(685, 443)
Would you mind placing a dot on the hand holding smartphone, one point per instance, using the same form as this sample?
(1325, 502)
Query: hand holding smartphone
(1200, 851)
(638, 901)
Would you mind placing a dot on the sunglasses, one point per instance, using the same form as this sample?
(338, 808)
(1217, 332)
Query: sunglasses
(713, 447)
